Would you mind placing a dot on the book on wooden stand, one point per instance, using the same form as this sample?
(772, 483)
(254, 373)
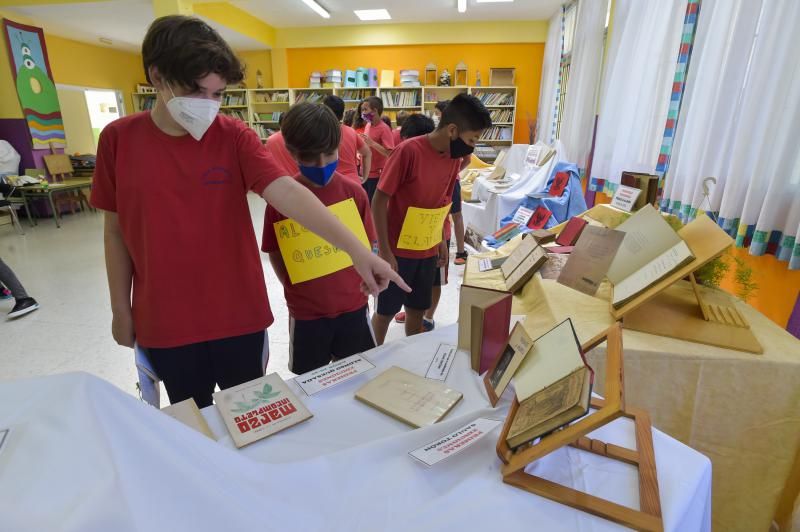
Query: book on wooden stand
(515, 461)
(663, 298)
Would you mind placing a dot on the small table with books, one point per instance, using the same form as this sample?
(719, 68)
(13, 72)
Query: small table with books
(41, 191)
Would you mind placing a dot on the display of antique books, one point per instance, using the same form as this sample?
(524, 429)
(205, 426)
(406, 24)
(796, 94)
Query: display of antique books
(186, 412)
(650, 251)
(474, 297)
(553, 385)
(589, 262)
(506, 363)
(523, 262)
(259, 408)
(489, 332)
(409, 398)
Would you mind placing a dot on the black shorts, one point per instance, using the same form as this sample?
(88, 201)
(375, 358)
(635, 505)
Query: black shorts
(418, 274)
(194, 370)
(455, 207)
(370, 185)
(316, 343)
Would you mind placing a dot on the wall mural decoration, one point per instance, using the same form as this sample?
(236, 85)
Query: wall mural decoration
(35, 87)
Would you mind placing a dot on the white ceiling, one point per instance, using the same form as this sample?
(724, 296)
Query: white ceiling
(125, 22)
(294, 13)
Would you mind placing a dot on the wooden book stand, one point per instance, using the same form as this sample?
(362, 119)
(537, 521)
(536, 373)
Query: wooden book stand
(606, 411)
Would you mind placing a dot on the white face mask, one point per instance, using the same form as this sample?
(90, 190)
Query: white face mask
(195, 115)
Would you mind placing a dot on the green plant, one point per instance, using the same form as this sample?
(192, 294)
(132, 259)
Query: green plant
(743, 274)
(714, 272)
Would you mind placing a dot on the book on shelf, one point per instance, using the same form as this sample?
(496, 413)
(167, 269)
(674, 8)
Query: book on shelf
(362, 77)
(495, 98)
(387, 78)
(259, 408)
(236, 98)
(145, 88)
(372, 74)
(502, 115)
(306, 96)
(497, 133)
(355, 94)
(350, 78)
(239, 114)
(274, 116)
(400, 98)
(650, 251)
(553, 385)
(263, 131)
(409, 78)
(315, 80)
(271, 97)
(407, 397)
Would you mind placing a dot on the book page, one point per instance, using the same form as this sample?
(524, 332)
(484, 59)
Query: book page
(588, 264)
(554, 355)
(663, 265)
(647, 236)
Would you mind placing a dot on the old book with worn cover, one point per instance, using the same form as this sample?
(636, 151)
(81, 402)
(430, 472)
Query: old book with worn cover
(523, 262)
(553, 385)
(589, 262)
(489, 332)
(473, 296)
(259, 408)
(507, 360)
(409, 398)
(650, 251)
(569, 235)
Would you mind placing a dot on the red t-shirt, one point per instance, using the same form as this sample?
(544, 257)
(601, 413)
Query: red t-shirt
(383, 136)
(183, 212)
(339, 292)
(276, 147)
(416, 175)
(348, 154)
(396, 138)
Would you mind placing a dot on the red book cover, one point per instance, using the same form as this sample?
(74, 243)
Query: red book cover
(496, 320)
(559, 184)
(539, 218)
(571, 232)
(505, 229)
(560, 249)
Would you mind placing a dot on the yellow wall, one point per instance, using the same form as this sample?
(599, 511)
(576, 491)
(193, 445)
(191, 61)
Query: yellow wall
(525, 57)
(257, 60)
(74, 63)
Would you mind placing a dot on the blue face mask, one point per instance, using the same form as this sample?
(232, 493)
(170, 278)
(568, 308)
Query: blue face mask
(319, 175)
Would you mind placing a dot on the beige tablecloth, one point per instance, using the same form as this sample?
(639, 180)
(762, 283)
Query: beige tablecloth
(739, 409)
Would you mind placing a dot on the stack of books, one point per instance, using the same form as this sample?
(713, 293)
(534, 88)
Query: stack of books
(400, 98)
(312, 97)
(497, 133)
(315, 81)
(502, 115)
(409, 78)
(231, 99)
(235, 113)
(333, 79)
(495, 98)
(270, 117)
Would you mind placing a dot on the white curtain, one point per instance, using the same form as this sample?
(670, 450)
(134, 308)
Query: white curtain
(640, 68)
(741, 125)
(548, 89)
(577, 122)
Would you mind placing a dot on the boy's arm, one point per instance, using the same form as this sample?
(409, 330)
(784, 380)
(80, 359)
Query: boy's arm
(296, 201)
(119, 269)
(366, 161)
(377, 147)
(380, 204)
(280, 268)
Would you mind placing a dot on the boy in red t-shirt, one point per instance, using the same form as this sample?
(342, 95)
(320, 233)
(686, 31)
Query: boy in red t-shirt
(277, 148)
(378, 137)
(397, 138)
(351, 146)
(410, 206)
(184, 273)
(328, 315)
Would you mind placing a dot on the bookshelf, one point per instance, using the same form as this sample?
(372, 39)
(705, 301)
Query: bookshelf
(234, 103)
(143, 101)
(434, 94)
(502, 105)
(308, 95)
(266, 108)
(352, 96)
(397, 99)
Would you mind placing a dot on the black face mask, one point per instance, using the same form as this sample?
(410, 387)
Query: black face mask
(459, 148)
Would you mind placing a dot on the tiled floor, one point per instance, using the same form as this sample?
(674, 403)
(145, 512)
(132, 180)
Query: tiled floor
(64, 270)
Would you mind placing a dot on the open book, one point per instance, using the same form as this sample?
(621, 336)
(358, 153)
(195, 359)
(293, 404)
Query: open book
(650, 251)
(553, 385)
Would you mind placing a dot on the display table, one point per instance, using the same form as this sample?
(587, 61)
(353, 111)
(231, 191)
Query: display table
(739, 409)
(82, 455)
(38, 191)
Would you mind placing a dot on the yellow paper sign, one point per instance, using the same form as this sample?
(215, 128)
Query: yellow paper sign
(308, 256)
(422, 228)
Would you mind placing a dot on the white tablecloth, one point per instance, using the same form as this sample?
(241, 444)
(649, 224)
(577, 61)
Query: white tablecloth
(494, 206)
(84, 456)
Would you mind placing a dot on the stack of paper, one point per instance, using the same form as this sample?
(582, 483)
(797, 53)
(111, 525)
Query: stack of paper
(315, 81)
(333, 78)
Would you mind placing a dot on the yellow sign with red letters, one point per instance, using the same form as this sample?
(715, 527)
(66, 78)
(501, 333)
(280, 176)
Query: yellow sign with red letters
(422, 228)
(308, 256)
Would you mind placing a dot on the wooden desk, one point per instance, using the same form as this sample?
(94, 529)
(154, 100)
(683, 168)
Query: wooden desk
(42, 191)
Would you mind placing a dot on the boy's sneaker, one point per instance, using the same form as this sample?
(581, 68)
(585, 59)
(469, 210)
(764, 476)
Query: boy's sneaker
(400, 317)
(461, 258)
(427, 325)
(5, 293)
(24, 306)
